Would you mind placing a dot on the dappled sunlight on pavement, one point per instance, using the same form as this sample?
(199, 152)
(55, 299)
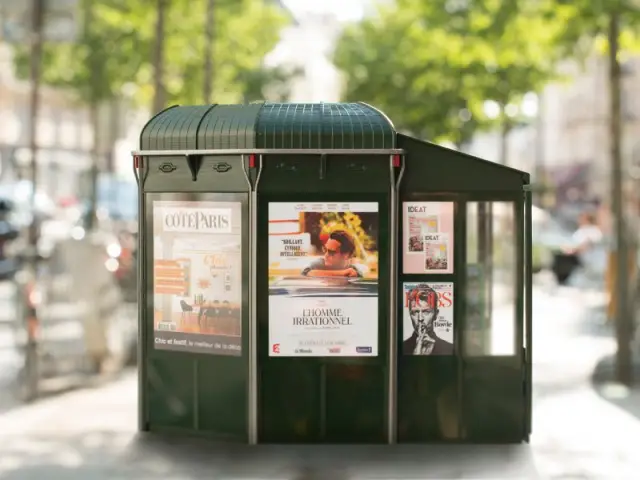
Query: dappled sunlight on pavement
(579, 431)
(75, 435)
(83, 456)
(90, 434)
(578, 434)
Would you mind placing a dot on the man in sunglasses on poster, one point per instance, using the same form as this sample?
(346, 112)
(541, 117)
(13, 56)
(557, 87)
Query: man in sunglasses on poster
(338, 251)
(423, 310)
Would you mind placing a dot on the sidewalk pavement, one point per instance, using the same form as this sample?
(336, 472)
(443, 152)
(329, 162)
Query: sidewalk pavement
(579, 431)
(90, 435)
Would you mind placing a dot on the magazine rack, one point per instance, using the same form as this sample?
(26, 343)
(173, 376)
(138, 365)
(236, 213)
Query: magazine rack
(308, 275)
(475, 385)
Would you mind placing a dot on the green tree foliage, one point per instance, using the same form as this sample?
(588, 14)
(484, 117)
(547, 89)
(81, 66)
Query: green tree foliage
(245, 31)
(587, 22)
(107, 54)
(432, 65)
(115, 50)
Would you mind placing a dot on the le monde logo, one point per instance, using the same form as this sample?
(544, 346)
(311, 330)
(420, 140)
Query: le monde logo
(202, 220)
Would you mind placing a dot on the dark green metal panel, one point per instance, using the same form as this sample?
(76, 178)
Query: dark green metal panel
(323, 125)
(486, 397)
(429, 390)
(181, 390)
(197, 392)
(431, 168)
(341, 173)
(173, 129)
(173, 174)
(528, 310)
(171, 389)
(229, 127)
(493, 400)
(322, 399)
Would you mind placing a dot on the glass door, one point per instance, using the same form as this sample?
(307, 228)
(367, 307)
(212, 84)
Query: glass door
(493, 366)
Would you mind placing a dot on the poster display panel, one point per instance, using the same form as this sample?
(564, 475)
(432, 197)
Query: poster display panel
(197, 276)
(323, 279)
(428, 237)
(427, 318)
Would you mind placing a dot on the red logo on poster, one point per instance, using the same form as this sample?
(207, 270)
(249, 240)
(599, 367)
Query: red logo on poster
(276, 348)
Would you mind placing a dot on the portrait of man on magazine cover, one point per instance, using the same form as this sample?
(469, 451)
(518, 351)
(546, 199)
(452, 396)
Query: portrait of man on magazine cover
(423, 311)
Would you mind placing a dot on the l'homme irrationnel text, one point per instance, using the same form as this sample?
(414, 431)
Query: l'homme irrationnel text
(321, 317)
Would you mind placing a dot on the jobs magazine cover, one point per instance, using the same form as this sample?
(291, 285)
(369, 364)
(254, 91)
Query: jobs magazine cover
(323, 279)
(427, 319)
(428, 237)
(197, 276)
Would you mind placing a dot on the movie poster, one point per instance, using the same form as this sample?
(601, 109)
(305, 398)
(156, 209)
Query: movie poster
(428, 237)
(197, 276)
(427, 319)
(323, 279)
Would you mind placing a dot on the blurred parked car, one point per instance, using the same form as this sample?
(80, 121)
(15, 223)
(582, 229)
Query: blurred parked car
(9, 232)
(83, 325)
(19, 194)
(116, 219)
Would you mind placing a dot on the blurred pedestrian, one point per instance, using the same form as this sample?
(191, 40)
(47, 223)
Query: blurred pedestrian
(590, 248)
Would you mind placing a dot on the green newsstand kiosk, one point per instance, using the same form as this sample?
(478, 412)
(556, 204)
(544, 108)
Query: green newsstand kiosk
(309, 275)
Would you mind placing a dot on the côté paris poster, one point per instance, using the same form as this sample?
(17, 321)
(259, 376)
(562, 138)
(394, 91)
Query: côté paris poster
(197, 276)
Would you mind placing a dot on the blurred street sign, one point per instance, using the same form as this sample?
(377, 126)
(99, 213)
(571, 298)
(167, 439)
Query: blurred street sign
(61, 20)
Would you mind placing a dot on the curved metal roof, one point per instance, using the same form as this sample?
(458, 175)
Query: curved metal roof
(269, 126)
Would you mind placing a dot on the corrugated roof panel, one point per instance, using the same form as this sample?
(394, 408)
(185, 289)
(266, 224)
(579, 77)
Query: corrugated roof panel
(229, 126)
(323, 125)
(173, 129)
(270, 125)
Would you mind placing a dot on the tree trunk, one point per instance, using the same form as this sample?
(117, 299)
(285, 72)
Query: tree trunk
(160, 97)
(37, 17)
(623, 317)
(93, 173)
(114, 117)
(540, 181)
(505, 130)
(208, 51)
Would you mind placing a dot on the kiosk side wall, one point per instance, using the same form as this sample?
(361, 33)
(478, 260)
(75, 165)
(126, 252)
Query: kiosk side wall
(460, 396)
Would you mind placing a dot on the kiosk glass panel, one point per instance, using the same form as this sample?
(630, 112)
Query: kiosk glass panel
(491, 279)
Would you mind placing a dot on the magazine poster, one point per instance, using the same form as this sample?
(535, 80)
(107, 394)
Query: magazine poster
(428, 237)
(427, 322)
(197, 276)
(323, 279)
